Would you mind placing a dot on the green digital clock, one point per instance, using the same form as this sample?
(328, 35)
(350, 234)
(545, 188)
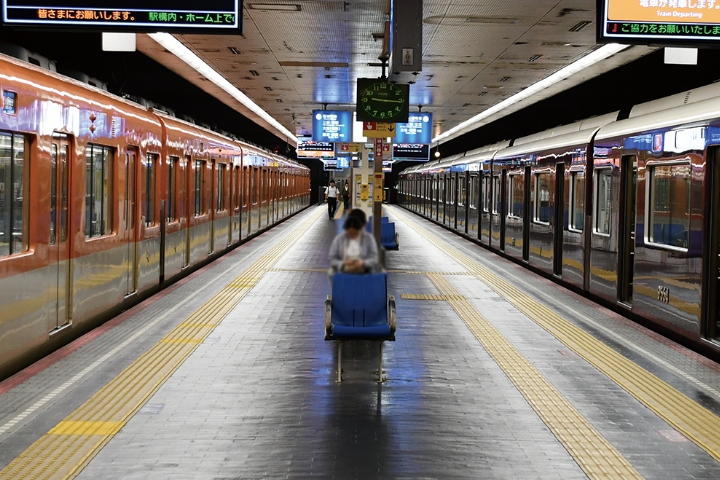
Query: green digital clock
(381, 101)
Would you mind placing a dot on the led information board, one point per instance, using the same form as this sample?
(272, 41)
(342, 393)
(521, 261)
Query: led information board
(667, 22)
(306, 148)
(332, 126)
(418, 152)
(418, 129)
(207, 16)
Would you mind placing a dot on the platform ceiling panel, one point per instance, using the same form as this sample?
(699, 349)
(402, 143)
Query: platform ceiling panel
(296, 55)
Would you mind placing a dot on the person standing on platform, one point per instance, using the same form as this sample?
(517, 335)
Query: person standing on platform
(331, 195)
(345, 192)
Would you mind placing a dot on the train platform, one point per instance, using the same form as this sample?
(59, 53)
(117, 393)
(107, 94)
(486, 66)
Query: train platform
(495, 373)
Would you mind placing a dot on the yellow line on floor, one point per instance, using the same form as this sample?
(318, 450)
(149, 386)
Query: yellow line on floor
(595, 455)
(70, 445)
(690, 418)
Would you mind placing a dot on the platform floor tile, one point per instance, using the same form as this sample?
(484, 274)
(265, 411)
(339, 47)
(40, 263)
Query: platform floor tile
(259, 400)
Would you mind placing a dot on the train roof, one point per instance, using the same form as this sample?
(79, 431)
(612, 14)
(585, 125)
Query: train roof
(695, 113)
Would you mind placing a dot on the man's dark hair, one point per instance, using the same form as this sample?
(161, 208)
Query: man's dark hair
(352, 222)
(356, 212)
(332, 181)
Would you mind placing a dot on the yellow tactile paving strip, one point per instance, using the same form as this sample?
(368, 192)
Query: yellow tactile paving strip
(428, 296)
(70, 445)
(687, 416)
(595, 455)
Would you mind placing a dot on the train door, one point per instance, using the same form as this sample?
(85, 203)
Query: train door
(711, 274)
(131, 227)
(626, 244)
(559, 220)
(59, 236)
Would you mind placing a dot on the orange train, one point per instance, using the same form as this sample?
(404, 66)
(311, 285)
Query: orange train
(103, 201)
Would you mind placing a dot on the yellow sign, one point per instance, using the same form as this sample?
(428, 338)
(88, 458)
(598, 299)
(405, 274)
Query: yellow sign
(378, 187)
(378, 129)
(364, 191)
(350, 148)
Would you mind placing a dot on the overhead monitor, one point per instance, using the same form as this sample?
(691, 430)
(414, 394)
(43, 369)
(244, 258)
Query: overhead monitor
(306, 148)
(191, 16)
(332, 126)
(418, 152)
(418, 129)
(659, 22)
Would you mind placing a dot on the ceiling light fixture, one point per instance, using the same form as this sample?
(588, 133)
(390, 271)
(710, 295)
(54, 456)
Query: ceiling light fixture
(174, 46)
(578, 66)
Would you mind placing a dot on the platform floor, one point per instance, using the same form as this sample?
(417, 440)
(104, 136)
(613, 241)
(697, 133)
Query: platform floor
(496, 373)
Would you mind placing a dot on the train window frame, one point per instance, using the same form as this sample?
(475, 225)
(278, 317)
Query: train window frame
(199, 188)
(598, 172)
(173, 164)
(496, 193)
(462, 191)
(485, 193)
(650, 196)
(107, 174)
(512, 178)
(254, 186)
(537, 200)
(572, 227)
(148, 205)
(474, 184)
(220, 203)
(14, 247)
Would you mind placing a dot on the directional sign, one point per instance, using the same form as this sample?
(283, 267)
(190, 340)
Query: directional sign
(350, 147)
(378, 129)
(378, 148)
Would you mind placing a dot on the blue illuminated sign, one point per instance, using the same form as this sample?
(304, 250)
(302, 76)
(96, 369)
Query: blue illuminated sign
(332, 126)
(417, 130)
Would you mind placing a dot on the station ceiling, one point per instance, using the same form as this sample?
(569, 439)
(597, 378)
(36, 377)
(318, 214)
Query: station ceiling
(296, 55)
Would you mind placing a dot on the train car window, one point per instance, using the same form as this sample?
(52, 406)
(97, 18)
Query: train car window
(516, 194)
(53, 193)
(603, 200)
(246, 186)
(486, 193)
(236, 192)
(13, 237)
(461, 191)
(577, 201)
(148, 201)
(199, 187)
(474, 183)
(254, 186)
(669, 212)
(173, 163)
(220, 187)
(98, 181)
(543, 210)
(496, 194)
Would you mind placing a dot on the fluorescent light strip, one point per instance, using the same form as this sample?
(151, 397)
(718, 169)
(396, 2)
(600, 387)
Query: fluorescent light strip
(566, 72)
(174, 46)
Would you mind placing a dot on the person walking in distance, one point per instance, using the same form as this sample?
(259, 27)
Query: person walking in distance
(331, 195)
(345, 192)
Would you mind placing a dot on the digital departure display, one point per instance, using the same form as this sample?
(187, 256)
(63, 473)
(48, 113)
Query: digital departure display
(418, 129)
(660, 22)
(332, 126)
(306, 148)
(208, 16)
(411, 151)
